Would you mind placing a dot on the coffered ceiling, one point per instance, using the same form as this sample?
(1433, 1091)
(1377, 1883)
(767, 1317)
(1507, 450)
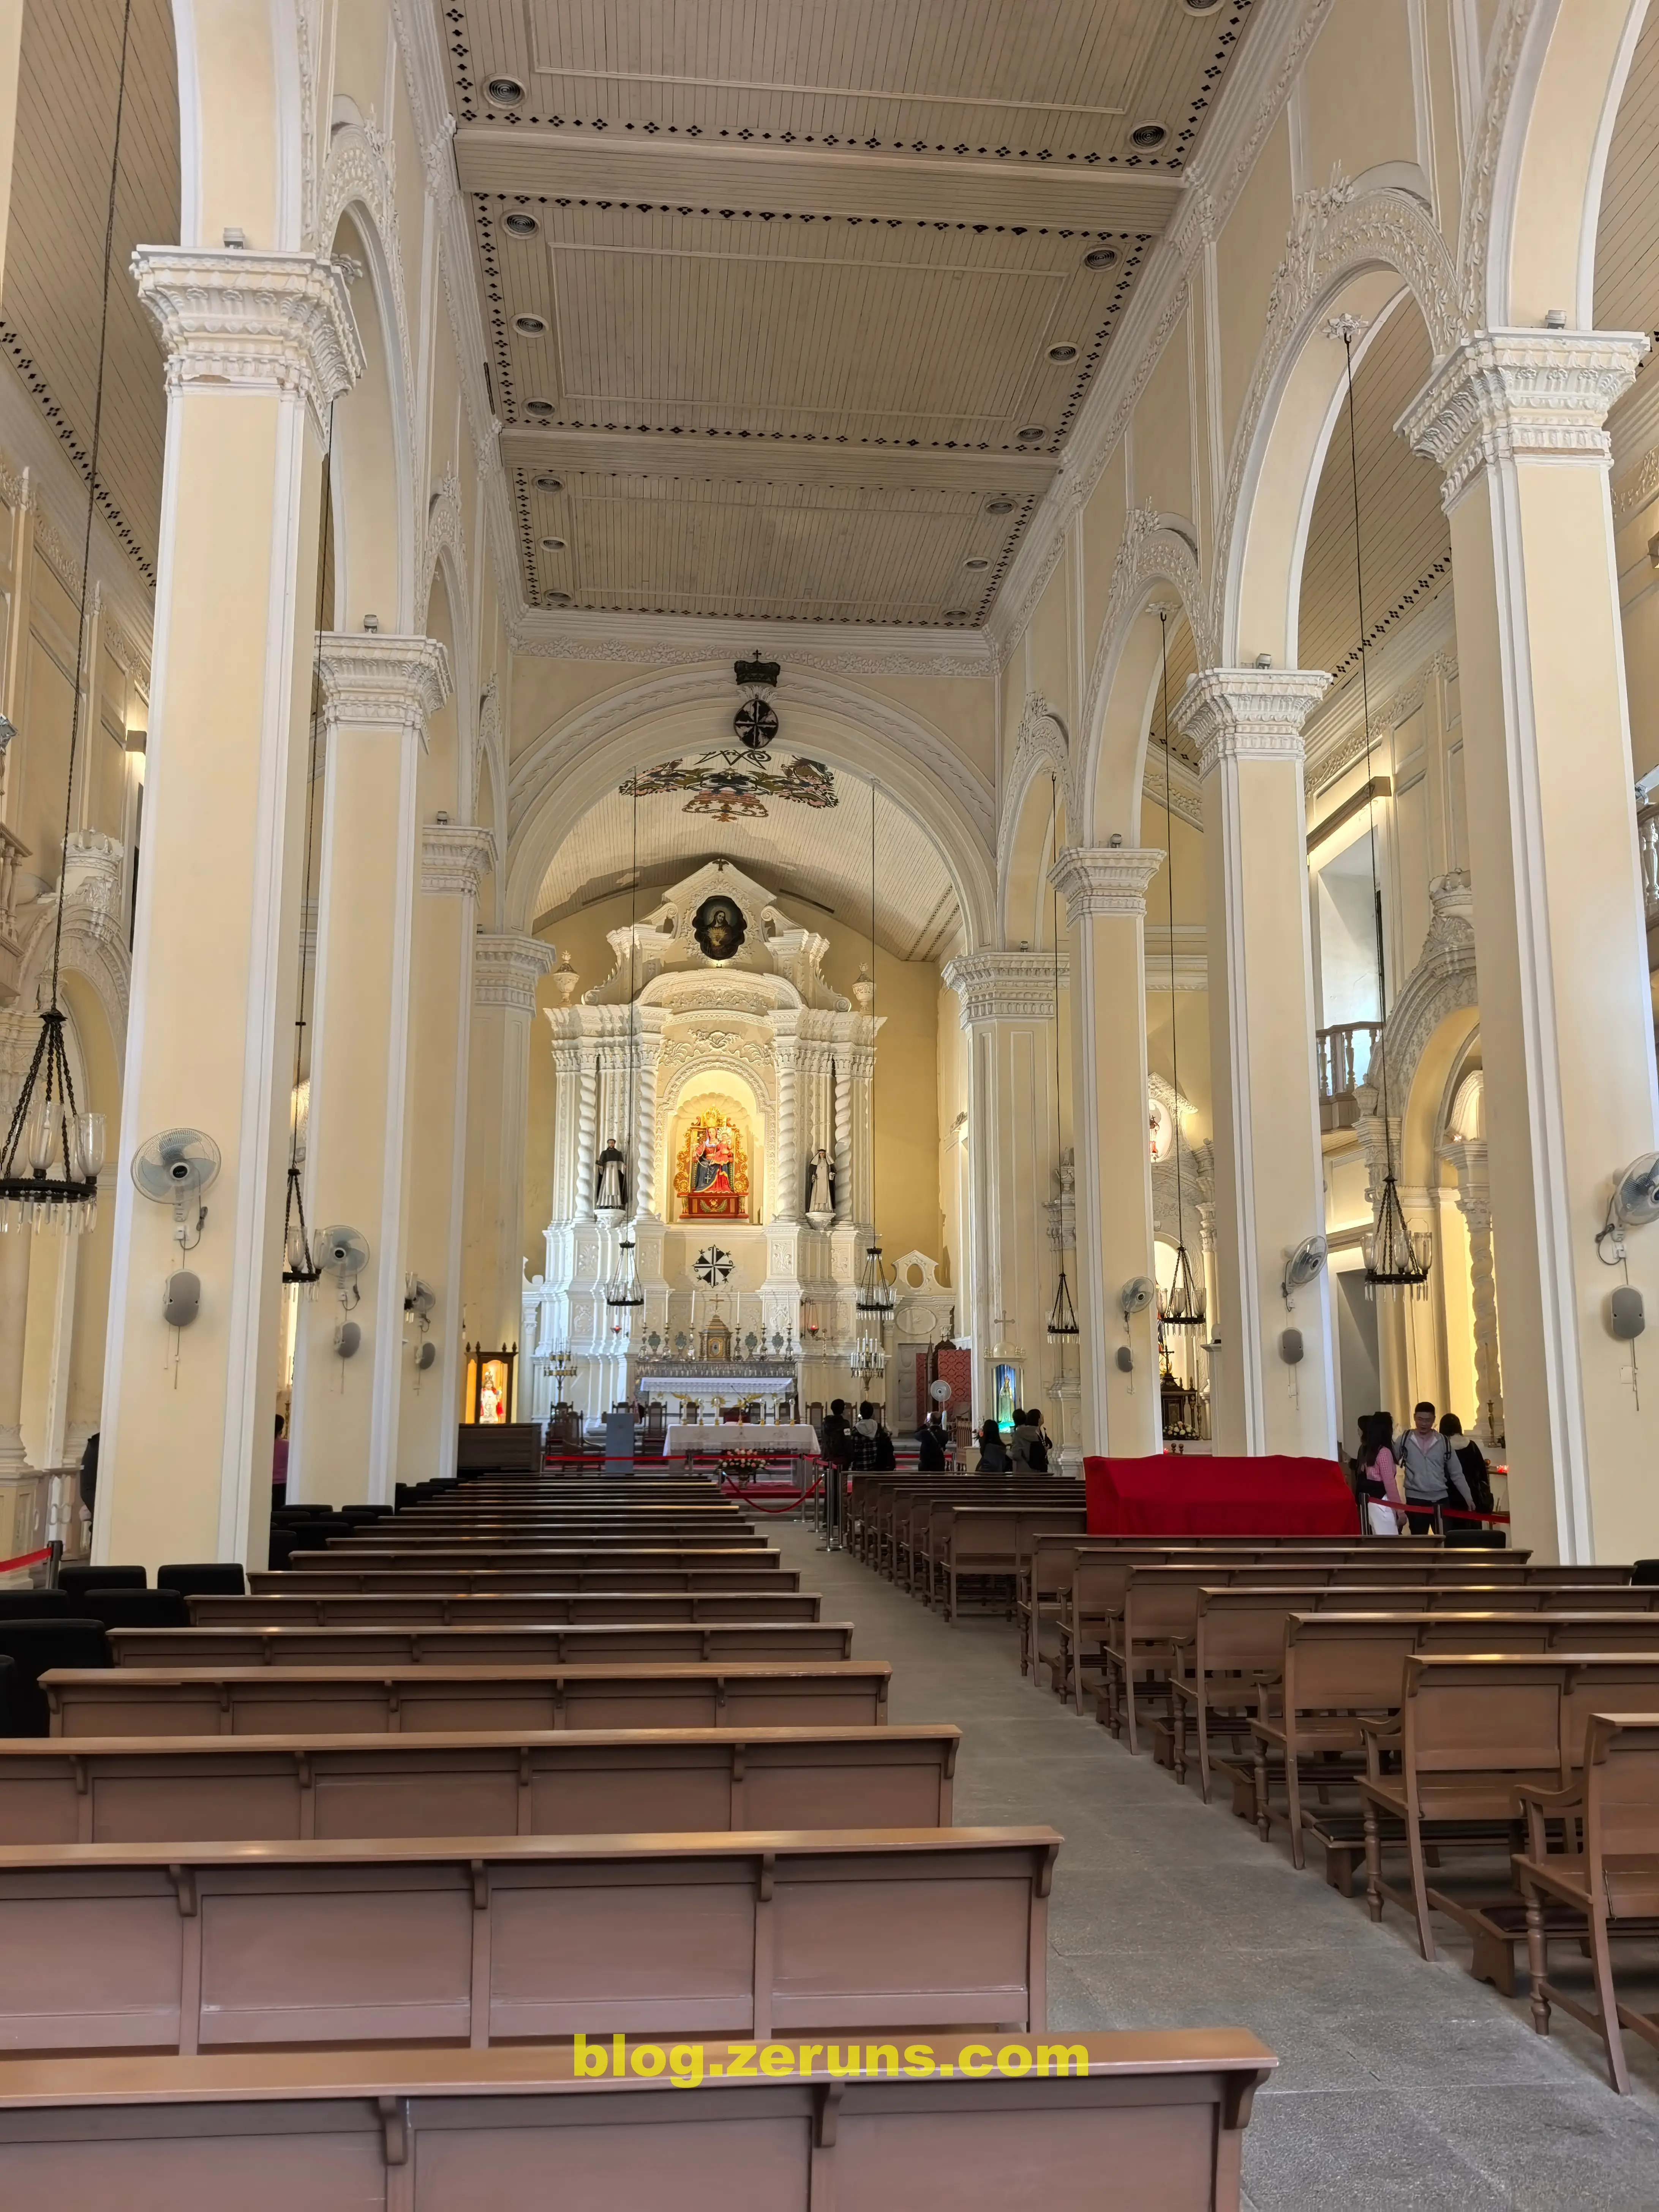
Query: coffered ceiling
(792, 304)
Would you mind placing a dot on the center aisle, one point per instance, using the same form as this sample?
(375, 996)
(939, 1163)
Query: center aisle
(1401, 2083)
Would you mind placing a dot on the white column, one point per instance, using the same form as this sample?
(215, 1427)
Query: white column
(257, 346)
(647, 1050)
(1514, 421)
(379, 694)
(455, 856)
(845, 1209)
(505, 973)
(1247, 724)
(785, 1057)
(587, 1122)
(1104, 888)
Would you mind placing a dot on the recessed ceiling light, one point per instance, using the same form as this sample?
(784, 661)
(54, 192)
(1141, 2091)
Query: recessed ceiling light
(552, 544)
(999, 507)
(956, 614)
(538, 406)
(1031, 430)
(548, 483)
(1147, 136)
(558, 598)
(1101, 257)
(1201, 7)
(978, 562)
(529, 326)
(1062, 353)
(504, 92)
(519, 225)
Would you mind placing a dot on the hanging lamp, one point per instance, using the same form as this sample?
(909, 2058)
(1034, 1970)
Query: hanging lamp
(1062, 1315)
(48, 1129)
(624, 1293)
(1397, 1258)
(1180, 1306)
(874, 1296)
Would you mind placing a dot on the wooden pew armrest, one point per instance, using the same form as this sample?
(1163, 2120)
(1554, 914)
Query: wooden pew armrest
(1537, 1803)
(1379, 1736)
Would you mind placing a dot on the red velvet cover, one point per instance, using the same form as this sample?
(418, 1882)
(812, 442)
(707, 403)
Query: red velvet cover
(1197, 1494)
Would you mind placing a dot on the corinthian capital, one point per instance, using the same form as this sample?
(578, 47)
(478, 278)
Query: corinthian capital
(505, 971)
(253, 322)
(1518, 395)
(1004, 986)
(371, 682)
(455, 856)
(1249, 714)
(1104, 878)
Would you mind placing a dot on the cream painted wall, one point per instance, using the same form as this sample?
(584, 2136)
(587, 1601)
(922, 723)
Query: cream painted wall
(1356, 101)
(1246, 254)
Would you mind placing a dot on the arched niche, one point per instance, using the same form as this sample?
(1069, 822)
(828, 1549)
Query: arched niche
(711, 1080)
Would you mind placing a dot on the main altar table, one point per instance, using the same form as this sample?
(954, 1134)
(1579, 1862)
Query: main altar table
(706, 1440)
(1177, 1495)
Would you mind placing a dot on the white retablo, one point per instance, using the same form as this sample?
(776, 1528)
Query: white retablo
(796, 1437)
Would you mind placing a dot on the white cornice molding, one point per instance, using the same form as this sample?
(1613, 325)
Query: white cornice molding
(455, 856)
(1520, 395)
(1398, 672)
(1005, 986)
(371, 681)
(1104, 879)
(507, 969)
(770, 461)
(1249, 714)
(680, 642)
(243, 321)
(528, 159)
(1186, 799)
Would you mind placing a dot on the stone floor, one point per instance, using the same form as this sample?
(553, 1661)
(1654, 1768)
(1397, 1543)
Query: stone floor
(1401, 2083)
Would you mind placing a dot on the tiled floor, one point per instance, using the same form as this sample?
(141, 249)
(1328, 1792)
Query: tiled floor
(1401, 2083)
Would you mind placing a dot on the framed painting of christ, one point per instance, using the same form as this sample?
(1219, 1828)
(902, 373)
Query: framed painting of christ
(711, 1178)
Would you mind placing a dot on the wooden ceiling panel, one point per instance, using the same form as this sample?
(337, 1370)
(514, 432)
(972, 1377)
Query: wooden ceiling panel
(1626, 265)
(828, 224)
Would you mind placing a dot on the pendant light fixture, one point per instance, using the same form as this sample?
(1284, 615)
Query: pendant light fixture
(48, 1129)
(874, 1298)
(624, 1293)
(301, 1265)
(1062, 1317)
(1395, 1258)
(1182, 1306)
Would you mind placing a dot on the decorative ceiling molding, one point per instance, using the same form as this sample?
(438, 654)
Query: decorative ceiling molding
(675, 642)
(1399, 672)
(1043, 746)
(768, 461)
(528, 160)
(1186, 800)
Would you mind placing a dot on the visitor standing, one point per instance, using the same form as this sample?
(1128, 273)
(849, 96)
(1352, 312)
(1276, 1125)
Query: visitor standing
(1431, 1478)
(1379, 1477)
(992, 1452)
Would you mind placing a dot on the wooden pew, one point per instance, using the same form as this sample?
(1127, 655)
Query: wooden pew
(1238, 1637)
(932, 1519)
(993, 1542)
(186, 1946)
(349, 1556)
(589, 1781)
(623, 1533)
(531, 1644)
(336, 1701)
(1608, 1888)
(332, 1607)
(341, 1579)
(1163, 2114)
(1470, 1733)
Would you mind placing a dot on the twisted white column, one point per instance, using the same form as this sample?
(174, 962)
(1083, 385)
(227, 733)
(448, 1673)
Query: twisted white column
(786, 1205)
(587, 1117)
(844, 1114)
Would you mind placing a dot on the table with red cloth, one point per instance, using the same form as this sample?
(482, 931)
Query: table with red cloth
(1197, 1494)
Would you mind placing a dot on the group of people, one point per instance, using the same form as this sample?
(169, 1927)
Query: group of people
(1419, 1478)
(1027, 1444)
(859, 1443)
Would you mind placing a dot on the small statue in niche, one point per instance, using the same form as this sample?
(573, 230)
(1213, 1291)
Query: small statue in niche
(611, 1192)
(820, 1185)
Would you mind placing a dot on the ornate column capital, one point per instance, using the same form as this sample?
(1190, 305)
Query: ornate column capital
(1520, 395)
(1249, 714)
(253, 322)
(1097, 879)
(372, 682)
(1004, 986)
(505, 971)
(455, 856)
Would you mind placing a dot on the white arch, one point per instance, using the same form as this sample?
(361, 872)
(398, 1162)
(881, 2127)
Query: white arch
(573, 764)
(1155, 555)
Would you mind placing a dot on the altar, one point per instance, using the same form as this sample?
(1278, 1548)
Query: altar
(711, 1385)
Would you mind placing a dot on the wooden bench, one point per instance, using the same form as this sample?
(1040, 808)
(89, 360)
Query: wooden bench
(348, 1556)
(933, 1525)
(336, 1701)
(562, 1536)
(1608, 1887)
(476, 1939)
(1163, 2115)
(343, 1578)
(248, 1788)
(531, 1644)
(993, 1542)
(1471, 1734)
(1238, 1636)
(329, 1607)
(904, 1517)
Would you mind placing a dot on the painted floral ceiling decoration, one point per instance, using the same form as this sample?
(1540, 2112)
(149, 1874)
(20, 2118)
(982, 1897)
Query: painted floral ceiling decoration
(735, 786)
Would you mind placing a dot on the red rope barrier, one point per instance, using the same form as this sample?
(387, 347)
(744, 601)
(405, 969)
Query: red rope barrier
(24, 1559)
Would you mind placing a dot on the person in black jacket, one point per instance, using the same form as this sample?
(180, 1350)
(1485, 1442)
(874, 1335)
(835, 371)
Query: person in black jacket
(837, 1433)
(930, 1439)
(992, 1452)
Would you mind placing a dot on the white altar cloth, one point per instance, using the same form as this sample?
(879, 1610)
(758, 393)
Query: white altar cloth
(795, 1438)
